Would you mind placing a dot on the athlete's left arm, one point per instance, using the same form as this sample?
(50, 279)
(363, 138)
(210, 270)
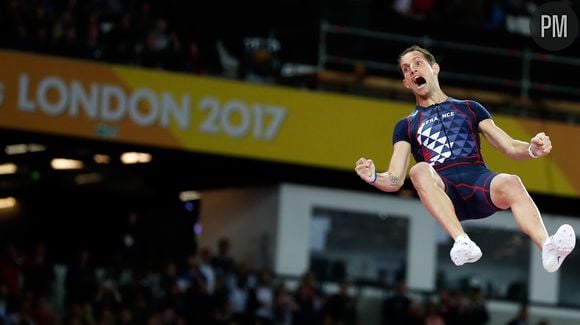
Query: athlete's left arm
(539, 146)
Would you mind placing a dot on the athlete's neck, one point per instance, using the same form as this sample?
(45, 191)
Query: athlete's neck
(436, 98)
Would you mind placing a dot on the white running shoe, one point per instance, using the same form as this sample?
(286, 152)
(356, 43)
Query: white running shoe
(465, 251)
(557, 247)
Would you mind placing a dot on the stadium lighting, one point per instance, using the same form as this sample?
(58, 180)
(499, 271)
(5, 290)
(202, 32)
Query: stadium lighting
(189, 196)
(7, 202)
(20, 148)
(135, 157)
(15, 149)
(102, 159)
(62, 163)
(8, 168)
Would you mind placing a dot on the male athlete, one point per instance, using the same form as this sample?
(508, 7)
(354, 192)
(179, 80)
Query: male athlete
(450, 176)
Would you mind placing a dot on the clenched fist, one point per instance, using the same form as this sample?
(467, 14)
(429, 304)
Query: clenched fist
(365, 168)
(540, 145)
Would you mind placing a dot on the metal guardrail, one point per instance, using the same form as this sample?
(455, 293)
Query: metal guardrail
(525, 84)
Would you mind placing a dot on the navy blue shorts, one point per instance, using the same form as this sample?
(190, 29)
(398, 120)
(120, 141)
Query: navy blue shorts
(468, 187)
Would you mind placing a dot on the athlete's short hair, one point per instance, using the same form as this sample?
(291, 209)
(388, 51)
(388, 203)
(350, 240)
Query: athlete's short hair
(428, 56)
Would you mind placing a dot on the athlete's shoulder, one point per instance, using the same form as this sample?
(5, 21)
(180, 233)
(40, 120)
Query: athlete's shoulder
(470, 105)
(402, 122)
(412, 114)
(402, 128)
(475, 109)
(465, 102)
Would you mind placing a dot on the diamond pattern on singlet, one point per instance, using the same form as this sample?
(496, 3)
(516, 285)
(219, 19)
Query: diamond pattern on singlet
(449, 139)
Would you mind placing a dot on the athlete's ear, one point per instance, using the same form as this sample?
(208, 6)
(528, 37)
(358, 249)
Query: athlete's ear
(405, 83)
(436, 68)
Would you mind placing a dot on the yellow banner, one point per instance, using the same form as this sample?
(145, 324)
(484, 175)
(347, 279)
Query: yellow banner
(219, 116)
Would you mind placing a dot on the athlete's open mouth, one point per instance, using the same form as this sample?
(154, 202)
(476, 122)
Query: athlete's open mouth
(419, 81)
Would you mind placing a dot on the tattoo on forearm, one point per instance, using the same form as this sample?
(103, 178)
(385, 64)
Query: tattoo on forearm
(393, 180)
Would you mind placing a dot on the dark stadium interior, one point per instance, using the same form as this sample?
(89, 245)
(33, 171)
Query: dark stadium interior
(478, 50)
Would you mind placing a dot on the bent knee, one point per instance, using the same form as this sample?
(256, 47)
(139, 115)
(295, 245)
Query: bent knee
(508, 184)
(420, 170)
(423, 176)
(508, 181)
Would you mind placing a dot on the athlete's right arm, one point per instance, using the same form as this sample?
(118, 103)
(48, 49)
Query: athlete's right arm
(393, 179)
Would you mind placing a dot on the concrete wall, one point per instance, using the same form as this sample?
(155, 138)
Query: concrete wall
(248, 217)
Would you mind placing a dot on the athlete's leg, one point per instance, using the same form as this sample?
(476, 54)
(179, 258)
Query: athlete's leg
(431, 191)
(508, 191)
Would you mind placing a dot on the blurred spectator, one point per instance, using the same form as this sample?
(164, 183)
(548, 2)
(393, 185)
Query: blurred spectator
(192, 278)
(11, 273)
(285, 305)
(126, 316)
(341, 308)
(124, 41)
(197, 298)
(222, 262)
(92, 38)
(207, 270)
(140, 307)
(432, 315)
(229, 64)
(108, 298)
(132, 255)
(309, 300)
(66, 38)
(396, 310)
(261, 62)
(78, 313)
(193, 60)
(262, 300)
(450, 308)
(157, 44)
(221, 309)
(4, 302)
(415, 9)
(39, 272)
(239, 297)
(521, 318)
(173, 305)
(169, 278)
(43, 312)
(476, 311)
(81, 281)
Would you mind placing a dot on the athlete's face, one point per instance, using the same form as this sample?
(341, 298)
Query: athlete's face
(419, 76)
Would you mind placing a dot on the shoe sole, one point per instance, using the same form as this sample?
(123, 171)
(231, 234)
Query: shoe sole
(564, 240)
(463, 254)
